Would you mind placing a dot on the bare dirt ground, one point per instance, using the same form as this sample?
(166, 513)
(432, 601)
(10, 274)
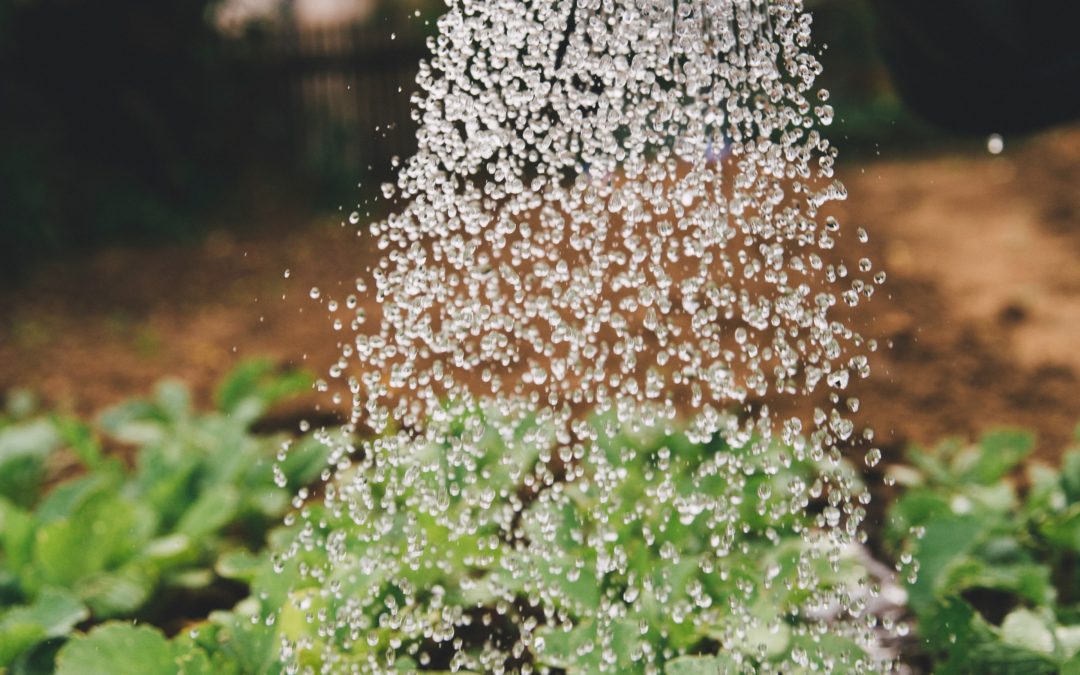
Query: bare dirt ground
(982, 306)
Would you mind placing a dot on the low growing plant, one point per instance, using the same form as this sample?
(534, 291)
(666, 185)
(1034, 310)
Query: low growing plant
(374, 614)
(992, 555)
(120, 542)
(93, 548)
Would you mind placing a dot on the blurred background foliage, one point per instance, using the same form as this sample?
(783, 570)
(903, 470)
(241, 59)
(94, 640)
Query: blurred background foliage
(123, 120)
(132, 121)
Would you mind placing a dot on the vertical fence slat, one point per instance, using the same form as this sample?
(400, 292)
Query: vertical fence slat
(341, 83)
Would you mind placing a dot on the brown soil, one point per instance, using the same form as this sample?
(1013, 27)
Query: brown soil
(982, 306)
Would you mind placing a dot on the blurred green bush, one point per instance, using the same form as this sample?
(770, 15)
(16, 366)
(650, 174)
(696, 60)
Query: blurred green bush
(991, 544)
(139, 542)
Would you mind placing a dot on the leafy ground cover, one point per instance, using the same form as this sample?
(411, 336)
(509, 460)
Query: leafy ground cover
(139, 542)
(991, 544)
(170, 560)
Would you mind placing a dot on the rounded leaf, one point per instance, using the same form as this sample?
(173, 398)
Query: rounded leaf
(118, 649)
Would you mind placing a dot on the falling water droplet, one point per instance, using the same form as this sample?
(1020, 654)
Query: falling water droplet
(611, 264)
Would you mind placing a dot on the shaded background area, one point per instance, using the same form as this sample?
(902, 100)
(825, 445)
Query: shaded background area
(133, 122)
(165, 163)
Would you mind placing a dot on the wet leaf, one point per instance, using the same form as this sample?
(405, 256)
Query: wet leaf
(701, 665)
(1000, 452)
(1027, 629)
(119, 649)
(53, 614)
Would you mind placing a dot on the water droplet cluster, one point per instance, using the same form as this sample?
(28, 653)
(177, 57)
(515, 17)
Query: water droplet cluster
(610, 264)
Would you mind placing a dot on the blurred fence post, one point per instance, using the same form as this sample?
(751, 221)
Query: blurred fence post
(347, 90)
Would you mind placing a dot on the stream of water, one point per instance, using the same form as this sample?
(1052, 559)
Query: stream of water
(601, 416)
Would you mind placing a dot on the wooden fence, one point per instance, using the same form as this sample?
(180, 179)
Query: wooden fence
(347, 91)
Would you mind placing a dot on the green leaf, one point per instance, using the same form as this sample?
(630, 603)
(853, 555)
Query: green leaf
(200, 653)
(55, 610)
(1028, 580)
(1070, 475)
(210, 512)
(1068, 639)
(1001, 452)
(117, 594)
(17, 529)
(167, 484)
(240, 565)
(296, 620)
(192, 579)
(1071, 667)
(31, 439)
(937, 463)
(54, 614)
(916, 507)
(232, 638)
(575, 648)
(304, 462)
(944, 541)
(832, 653)
(1063, 529)
(17, 638)
(69, 498)
(775, 642)
(81, 439)
(253, 387)
(1027, 629)
(991, 499)
(242, 383)
(170, 551)
(118, 649)
(104, 534)
(626, 639)
(701, 665)
(950, 630)
(271, 502)
(1000, 658)
(23, 449)
(1045, 490)
(65, 552)
(138, 423)
(191, 660)
(174, 400)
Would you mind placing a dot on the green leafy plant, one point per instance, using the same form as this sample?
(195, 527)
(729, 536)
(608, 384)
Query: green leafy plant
(988, 539)
(991, 556)
(686, 609)
(279, 622)
(387, 619)
(120, 542)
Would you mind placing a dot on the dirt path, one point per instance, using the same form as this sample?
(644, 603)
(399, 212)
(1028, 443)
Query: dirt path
(983, 254)
(982, 306)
